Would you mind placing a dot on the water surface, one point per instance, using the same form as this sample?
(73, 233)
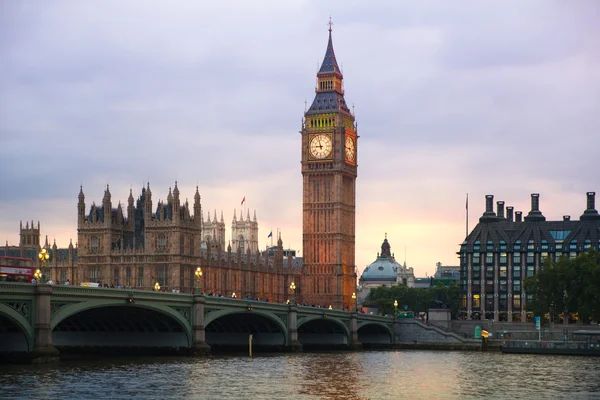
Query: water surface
(360, 375)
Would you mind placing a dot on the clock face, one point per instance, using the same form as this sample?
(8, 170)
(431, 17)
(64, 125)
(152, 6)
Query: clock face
(350, 151)
(320, 146)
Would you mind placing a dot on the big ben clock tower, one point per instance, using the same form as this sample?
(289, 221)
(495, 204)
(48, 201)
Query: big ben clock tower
(329, 165)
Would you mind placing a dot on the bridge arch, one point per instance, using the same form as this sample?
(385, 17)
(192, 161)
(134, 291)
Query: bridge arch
(318, 330)
(375, 333)
(149, 309)
(229, 328)
(22, 323)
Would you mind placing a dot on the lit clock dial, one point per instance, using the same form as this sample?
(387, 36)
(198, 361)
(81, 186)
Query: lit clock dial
(350, 149)
(320, 146)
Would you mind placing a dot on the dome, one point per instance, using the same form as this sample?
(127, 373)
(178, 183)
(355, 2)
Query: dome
(384, 269)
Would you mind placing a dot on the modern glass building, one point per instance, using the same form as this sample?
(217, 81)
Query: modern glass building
(504, 249)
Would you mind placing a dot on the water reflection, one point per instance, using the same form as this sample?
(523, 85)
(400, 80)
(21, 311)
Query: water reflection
(333, 377)
(365, 375)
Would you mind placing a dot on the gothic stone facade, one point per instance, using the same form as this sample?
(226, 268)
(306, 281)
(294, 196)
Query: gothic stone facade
(165, 246)
(62, 262)
(329, 170)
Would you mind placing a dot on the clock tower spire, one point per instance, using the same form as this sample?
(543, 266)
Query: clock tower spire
(329, 170)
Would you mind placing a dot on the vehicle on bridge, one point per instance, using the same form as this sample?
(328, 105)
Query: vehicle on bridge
(16, 269)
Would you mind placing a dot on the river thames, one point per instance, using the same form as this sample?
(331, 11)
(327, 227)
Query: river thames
(360, 375)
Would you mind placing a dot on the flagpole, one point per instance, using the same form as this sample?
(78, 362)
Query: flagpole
(467, 226)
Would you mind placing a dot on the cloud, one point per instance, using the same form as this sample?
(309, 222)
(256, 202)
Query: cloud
(493, 97)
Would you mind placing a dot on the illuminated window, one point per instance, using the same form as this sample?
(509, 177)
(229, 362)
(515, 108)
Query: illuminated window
(516, 301)
(503, 272)
(476, 301)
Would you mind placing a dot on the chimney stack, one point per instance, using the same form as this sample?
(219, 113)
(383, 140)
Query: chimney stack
(535, 214)
(509, 213)
(590, 213)
(489, 203)
(591, 201)
(488, 215)
(518, 216)
(500, 208)
(535, 202)
(566, 217)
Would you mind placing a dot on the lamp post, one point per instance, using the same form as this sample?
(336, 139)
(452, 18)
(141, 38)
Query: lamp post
(43, 256)
(293, 288)
(38, 275)
(233, 295)
(331, 308)
(157, 287)
(198, 274)
(355, 303)
(395, 308)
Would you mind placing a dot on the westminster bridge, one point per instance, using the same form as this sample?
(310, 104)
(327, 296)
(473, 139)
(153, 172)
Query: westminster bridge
(41, 321)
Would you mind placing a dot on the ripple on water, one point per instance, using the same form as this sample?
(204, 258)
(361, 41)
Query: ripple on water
(364, 375)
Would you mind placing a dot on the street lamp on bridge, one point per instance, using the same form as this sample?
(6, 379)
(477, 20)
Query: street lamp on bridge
(233, 295)
(38, 275)
(293, 288)
(44, 256)
(198, 274)
(395, 308)
(157, 287)
(355, 304)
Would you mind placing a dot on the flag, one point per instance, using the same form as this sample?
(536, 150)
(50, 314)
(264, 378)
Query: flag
(243, 200)
(270, 234)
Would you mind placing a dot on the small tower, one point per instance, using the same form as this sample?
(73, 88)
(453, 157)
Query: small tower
(80, 207)
(130, 211)
(197, 209)
(29, 237)
(107, 207)
(176, 205)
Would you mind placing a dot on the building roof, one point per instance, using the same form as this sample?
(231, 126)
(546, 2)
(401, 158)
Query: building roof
(329, 64)
(498, 233)
(384, 268)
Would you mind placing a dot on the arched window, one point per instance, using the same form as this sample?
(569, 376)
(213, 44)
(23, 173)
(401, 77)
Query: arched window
(95, 244)
(241, 242)
(162, 242)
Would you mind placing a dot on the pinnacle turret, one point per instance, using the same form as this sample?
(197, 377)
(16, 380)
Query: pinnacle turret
(329, 98)
(330, 64)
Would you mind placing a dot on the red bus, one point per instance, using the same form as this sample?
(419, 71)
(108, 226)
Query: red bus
(16, 269)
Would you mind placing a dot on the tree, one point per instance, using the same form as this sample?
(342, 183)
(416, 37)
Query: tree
(416, 299)
(567, 285)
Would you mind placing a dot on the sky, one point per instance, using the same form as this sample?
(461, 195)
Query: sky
(487, 97)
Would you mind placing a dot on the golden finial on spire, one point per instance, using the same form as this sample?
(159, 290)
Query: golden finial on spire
(330, 23)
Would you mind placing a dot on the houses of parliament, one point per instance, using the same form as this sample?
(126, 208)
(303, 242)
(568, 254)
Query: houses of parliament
(143, 244)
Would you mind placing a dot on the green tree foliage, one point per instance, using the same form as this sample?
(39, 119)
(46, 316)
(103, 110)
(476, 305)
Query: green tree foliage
(417, 299)
(571, 285)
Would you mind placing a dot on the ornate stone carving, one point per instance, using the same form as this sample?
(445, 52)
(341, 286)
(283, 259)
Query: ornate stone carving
(22, 307)
(185, 312)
